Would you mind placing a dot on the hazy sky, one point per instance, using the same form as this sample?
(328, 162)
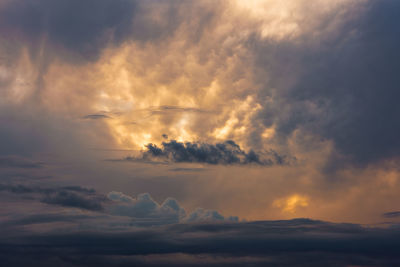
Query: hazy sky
(121, 114)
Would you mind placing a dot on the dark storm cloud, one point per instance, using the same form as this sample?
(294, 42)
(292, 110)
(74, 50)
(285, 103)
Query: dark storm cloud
(299, 242)
(80, 26)
(225, 153)
(18, 162)
(86, 27)
(69, 196)
(344, 87)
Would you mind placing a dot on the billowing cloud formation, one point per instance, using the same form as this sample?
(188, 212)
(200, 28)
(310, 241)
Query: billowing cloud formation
(299, 242)
(259, 69)
(271, 74)
(170, 211)
(227, 152)
(341, 87)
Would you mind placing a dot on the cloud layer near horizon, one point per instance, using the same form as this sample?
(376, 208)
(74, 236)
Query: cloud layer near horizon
(303, 242)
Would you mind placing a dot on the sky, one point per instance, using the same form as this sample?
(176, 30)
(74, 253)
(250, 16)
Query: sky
(199, 133)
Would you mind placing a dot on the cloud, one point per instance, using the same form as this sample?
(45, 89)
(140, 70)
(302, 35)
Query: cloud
(303, 242)
(19, 162)
(116, 207)
(392, 214)
(169, 212)
(82, 27)
(226, 153)
(278, 79)
(202, 215)
(340, 86)
(68, 196)
(97, 116)
(188, 169)
(45, 218)
(171, 109)
(72, 199)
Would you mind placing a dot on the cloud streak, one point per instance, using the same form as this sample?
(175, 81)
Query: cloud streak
(69, 196)
(392, 214)
(19, 162)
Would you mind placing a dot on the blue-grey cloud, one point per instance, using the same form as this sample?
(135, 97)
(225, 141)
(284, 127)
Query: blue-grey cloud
(169, 212)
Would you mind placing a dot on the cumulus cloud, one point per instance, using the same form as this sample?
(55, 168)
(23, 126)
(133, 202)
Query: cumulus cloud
(225, 153)
(170, 211)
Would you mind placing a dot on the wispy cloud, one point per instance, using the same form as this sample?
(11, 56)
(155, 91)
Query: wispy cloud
(97, 116)
(19, 162)
(69, 196)
(392, 214)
